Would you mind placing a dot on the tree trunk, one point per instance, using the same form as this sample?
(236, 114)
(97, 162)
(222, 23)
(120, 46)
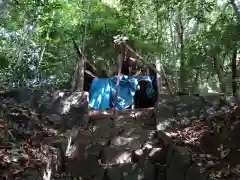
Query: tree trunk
(198, 18)
(234, 72)
(174, 52)
(236, 10)
(78, 79)
(43, 49)
(195, 82)
(26, 36)
(23, 43)
(80, 75)
(180, 31)
(220, 73)
(3, 8)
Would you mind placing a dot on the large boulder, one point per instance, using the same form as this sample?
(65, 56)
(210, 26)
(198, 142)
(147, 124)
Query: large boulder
(71, 106)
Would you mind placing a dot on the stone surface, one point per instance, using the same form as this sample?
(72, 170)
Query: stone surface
(103, 128)
(115, 155)
(131, 143)
(55, 119)
(163, 124)
(115, 172)
(181, 110)
(187, 99)
(146, 118)
(165, 111)
(180, 163)
(116, 147)
(212, 98)
(85, 167)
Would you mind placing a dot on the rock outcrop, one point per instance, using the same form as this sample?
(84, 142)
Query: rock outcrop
(55, 136)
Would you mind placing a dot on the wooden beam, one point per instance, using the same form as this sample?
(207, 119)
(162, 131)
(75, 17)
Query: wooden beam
(90, 73)
(86, 61)
(93, 68)
(153, 68)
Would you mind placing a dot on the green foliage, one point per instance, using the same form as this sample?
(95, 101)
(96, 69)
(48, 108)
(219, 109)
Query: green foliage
(3, 61)
(42, 33)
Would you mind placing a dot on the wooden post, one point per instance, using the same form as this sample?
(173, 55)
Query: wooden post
(158, 76)
(119, 61)
(78, 79)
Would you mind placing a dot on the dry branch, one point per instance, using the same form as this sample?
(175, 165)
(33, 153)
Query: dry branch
(87, 64)
(90, 73)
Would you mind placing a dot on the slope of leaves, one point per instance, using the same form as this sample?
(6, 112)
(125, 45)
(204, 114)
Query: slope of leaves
(23, 152)
(214, 142)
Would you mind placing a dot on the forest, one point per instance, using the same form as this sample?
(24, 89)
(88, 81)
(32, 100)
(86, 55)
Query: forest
(196, 41)
(47, 45)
